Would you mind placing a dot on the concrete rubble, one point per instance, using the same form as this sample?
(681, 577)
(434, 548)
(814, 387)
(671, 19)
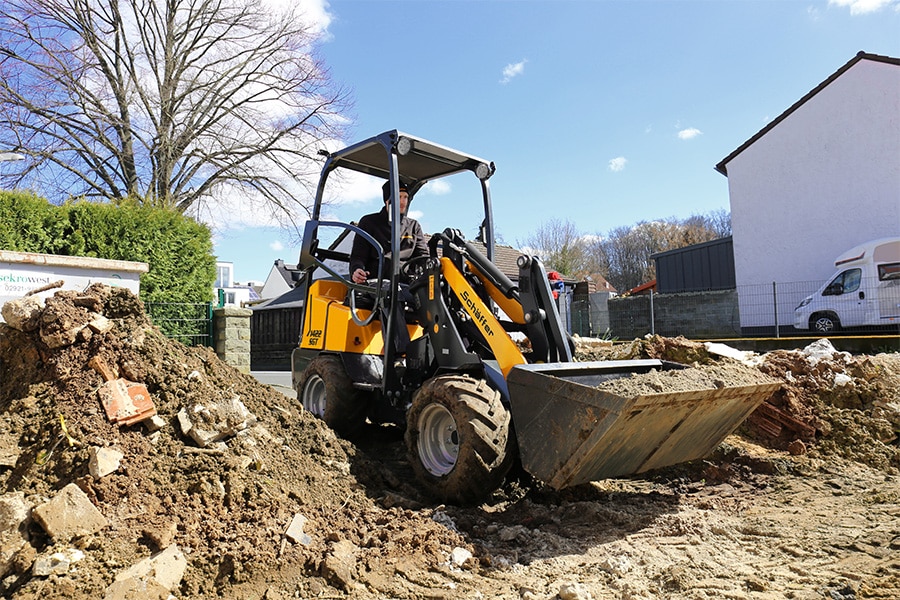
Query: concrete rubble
(153, 578)
(57, 563)
(340, 564)
(824, 350)
(23, 314)
(295, 531)
(68, 515)
(104, 461)
(574, 591)
(14, 519)
(211, 423)
(459, 556)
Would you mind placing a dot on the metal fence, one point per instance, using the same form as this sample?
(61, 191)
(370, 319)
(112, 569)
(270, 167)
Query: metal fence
(774, 309)
(190, 324)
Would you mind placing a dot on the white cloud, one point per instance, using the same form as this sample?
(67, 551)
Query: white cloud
(235, 207)
(438, 187)
(617, 164)
(513, 70)
(315, 13)
(689, 133)
(276, 246)
(861, 7)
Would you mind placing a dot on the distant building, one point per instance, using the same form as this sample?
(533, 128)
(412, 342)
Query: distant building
(645, 288)
(279, 280)
(227, 292)
(696, 268)
(595, 283)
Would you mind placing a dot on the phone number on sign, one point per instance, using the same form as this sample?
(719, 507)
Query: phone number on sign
(15, 289)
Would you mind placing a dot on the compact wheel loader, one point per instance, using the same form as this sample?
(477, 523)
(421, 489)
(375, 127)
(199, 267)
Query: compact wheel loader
(436, 345)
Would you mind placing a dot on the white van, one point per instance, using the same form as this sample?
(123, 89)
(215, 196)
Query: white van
(865, 291)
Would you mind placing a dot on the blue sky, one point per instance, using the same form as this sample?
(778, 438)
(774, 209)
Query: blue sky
(602, 113)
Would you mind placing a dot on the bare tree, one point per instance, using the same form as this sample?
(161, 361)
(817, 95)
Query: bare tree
(624, 255)
(174, 103)
(718, 222)
(560, 245)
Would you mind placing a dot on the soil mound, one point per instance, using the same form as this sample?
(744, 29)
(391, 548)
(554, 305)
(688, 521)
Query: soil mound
(226, 506)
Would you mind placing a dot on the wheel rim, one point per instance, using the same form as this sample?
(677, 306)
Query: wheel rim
(313, 396)
(824, 324)
(438, 440)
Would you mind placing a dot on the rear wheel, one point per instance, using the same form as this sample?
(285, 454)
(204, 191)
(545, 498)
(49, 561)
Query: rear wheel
(326, 391)
(458, 438)
(824, 323)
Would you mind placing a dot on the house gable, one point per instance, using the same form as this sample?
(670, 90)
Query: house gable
(722, 166)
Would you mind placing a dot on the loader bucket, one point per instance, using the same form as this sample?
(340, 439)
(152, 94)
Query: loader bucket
(570, 432)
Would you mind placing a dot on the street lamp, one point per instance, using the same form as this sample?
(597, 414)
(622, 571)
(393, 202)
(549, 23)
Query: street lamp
(10, 156)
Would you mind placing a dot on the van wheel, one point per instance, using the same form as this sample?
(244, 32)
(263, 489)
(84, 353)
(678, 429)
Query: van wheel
(458, 438)
(326, 391)
(824, 323)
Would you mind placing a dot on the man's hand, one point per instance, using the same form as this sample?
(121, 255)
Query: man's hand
(360, 276)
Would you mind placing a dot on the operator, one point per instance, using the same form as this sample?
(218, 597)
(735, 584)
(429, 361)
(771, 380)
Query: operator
(364, 257)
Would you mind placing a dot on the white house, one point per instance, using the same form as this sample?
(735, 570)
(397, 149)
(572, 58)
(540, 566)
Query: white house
(822, 177)
(228, 293)
(279, 280)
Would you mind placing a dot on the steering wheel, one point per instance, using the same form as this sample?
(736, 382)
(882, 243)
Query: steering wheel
(377, 289)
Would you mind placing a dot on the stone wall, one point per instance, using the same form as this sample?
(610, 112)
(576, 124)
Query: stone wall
(711, 314)
(231, 334)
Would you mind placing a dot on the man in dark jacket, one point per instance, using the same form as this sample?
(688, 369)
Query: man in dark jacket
(364, 257)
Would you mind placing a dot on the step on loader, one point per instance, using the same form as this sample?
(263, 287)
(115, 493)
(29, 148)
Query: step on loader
(477, 367)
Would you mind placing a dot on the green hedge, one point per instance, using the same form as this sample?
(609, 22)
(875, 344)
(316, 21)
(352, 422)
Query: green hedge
(178, 249)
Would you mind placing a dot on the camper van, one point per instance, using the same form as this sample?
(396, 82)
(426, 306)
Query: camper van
(864, 292)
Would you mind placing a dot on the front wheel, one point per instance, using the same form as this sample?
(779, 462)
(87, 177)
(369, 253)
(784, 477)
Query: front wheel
(824, 323)
(326, 391)
(458, 438)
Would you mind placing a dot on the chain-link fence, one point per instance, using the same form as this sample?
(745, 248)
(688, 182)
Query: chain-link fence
(776, 309)
(190, 324)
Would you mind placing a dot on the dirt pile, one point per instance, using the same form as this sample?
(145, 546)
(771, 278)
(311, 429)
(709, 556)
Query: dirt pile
(226, 507)
(853, 402)
(237, 493)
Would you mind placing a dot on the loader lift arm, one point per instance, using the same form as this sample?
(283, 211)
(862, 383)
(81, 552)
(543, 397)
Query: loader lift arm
(529, 305)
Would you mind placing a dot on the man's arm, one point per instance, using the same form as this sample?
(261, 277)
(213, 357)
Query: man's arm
(362, 253)
(358, 254)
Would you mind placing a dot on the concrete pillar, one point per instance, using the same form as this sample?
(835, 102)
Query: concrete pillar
(231, 331)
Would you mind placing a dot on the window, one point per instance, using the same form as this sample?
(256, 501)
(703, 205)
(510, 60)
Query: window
(888, 271)
(846, 282)
(224, 275)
